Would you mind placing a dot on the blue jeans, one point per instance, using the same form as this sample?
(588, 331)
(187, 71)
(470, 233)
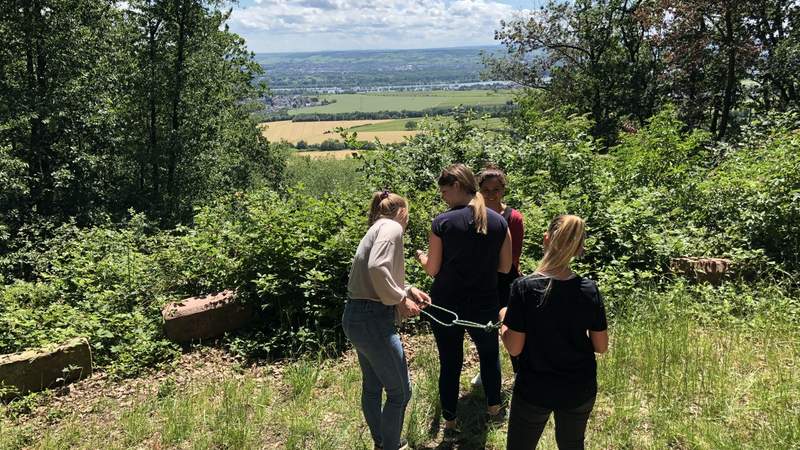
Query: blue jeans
(371, 328)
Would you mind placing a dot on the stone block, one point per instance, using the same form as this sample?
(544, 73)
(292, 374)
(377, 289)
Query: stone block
(205, 317)
(39, 369)
(709, 270)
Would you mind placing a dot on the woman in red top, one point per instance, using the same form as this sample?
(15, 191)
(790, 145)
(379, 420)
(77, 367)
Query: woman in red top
(492, 182)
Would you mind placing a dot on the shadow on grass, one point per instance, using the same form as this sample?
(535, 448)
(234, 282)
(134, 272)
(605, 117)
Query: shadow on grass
(472, 422)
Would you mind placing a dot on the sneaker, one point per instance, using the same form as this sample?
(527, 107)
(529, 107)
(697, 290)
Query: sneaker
(497, 419)
(403, 445)
(477, 380)
(451, 434)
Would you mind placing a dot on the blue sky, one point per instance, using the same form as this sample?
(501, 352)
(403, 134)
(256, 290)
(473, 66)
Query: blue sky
(314, 25)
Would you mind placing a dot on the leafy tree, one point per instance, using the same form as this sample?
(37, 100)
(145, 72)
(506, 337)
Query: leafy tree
(108, 106)
(195, 81)
(57, 78)
(773, 26)
(620, 61)
(708, 53)
(592, 55)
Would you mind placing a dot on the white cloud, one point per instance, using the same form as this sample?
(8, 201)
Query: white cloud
(285, 25)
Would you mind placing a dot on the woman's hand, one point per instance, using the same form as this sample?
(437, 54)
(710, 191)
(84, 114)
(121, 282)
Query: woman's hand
(408, 308)
(431, 260)
(501, 316)
(422, 257)
(421, 298)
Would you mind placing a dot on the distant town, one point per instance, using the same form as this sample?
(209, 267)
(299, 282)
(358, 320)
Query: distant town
(301, 80)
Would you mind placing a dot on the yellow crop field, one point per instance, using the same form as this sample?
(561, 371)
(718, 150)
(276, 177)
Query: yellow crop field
(327, 154)
(317, 132)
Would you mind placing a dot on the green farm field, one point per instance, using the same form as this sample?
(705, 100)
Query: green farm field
(410, 101)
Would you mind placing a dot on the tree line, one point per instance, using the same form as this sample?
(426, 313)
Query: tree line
(621, 61)
(108, 105)
(494, 110)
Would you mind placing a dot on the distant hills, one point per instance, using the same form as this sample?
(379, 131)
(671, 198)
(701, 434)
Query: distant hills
(373, 68)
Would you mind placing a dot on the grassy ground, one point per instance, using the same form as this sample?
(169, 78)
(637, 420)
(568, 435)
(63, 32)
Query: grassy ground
(664, 384)
(410, 101)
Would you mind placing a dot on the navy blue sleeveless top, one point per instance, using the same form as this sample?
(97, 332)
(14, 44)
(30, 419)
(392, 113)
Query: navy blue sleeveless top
(467, 279)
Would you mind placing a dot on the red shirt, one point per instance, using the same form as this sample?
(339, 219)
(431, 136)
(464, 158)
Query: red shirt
(516, 225)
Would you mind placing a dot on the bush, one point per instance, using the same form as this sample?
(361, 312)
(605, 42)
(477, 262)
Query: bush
(290, 256)
(661, 193)
(103, 283)
(319, 176)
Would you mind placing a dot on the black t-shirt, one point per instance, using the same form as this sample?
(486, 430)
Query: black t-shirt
(557, 365)
(467, 279)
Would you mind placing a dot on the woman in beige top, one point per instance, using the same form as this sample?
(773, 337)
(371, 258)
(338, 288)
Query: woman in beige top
(377, 294)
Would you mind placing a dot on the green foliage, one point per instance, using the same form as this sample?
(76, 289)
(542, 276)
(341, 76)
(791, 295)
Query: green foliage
(319, 176)
(661, 154)
(661, 193)
(751, 200)
(144, 106)
(289, 256)
(101, 283)
(620, 61)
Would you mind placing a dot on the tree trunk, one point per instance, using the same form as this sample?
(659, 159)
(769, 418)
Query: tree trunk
(152, 141)
(36, 63)
(730, 76)
(175, 148)
(715, 117)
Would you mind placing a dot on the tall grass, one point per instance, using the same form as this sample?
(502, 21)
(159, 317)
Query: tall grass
(323, 175)
(664, 384)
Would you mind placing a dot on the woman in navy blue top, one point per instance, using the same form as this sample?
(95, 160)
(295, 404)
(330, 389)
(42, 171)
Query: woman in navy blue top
(468, 245)
(555, 322)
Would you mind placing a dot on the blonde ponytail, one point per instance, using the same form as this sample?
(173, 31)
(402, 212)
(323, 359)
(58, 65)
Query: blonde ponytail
(459, 173)
(479, 214)
(566, 234)
(565, 240)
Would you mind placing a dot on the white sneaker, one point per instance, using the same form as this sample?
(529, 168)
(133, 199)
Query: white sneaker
(477, 380)
(403, 445)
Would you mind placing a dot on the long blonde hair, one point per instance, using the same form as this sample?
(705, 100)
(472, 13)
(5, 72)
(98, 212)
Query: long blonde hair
(463, 175)
(565, 239)
(385, 204)
(566, 234)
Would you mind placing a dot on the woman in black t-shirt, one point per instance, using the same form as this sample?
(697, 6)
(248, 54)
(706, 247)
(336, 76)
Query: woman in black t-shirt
(556, 322)
(468, 245)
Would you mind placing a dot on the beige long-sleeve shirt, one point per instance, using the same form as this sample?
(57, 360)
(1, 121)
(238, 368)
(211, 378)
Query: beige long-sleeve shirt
(378, 271)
